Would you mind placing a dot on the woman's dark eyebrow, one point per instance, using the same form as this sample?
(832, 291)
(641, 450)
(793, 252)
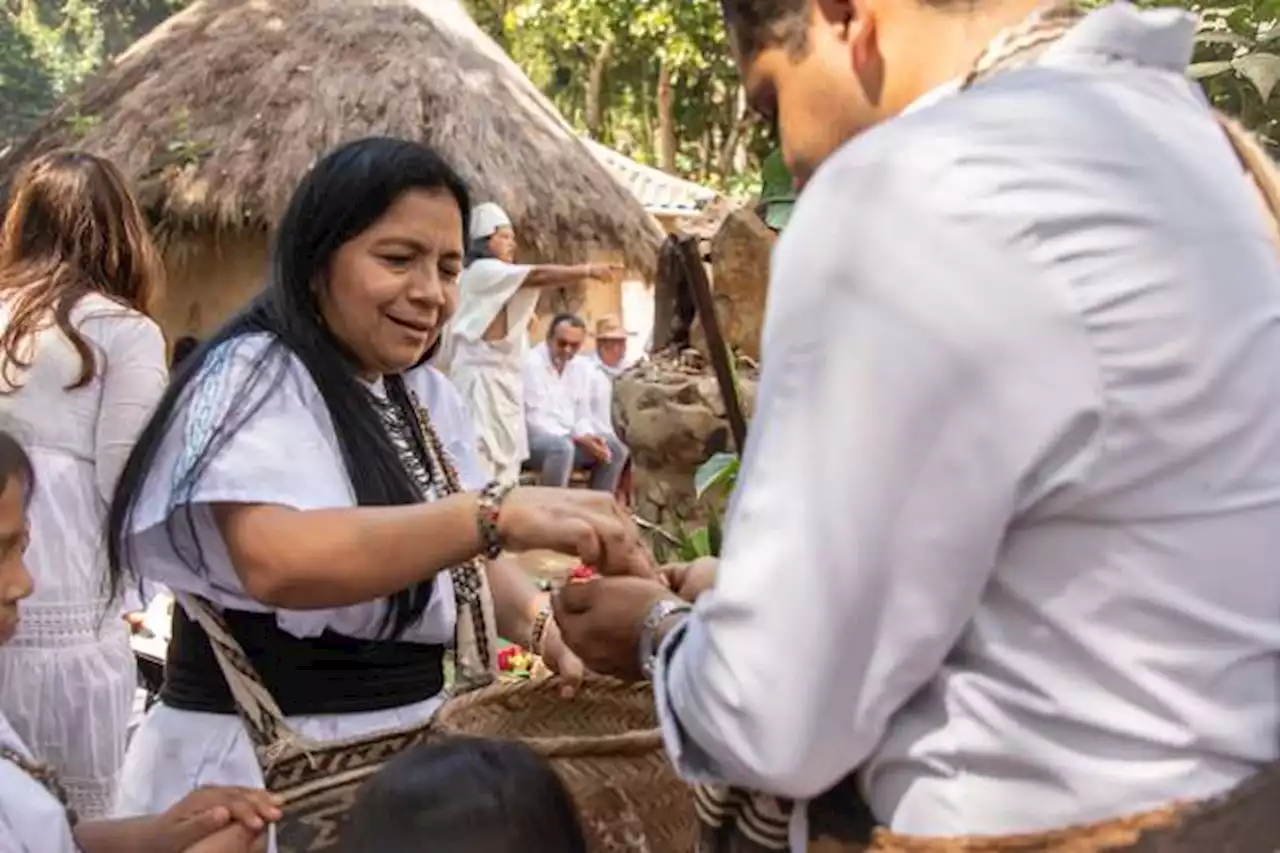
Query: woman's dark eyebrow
(403, 242)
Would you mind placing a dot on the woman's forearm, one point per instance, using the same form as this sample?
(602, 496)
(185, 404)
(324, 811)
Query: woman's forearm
(516, 600)
(319, 559)
(553, 275)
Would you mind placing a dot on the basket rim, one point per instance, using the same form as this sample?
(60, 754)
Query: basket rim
(562, 746)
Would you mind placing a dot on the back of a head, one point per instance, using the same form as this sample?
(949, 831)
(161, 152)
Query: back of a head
(465, 796)
(72, 219)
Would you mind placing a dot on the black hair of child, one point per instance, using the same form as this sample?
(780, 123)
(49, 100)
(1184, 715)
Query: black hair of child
(465, 796)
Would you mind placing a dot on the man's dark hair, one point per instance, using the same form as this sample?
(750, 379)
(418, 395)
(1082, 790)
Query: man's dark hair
(758, 24)
(572, 319)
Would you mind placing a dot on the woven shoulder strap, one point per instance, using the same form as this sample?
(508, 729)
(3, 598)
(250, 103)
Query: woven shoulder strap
(475, 644)
(255, 704)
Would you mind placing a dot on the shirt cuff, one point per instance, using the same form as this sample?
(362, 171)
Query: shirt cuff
(671, 681)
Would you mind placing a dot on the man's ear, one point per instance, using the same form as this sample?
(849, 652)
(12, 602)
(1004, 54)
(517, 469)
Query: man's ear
(838, 15)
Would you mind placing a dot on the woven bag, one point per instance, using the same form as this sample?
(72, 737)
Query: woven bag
(606, 746)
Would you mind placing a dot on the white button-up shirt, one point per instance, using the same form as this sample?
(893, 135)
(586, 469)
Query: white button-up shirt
(1007, 534)
(558, 402)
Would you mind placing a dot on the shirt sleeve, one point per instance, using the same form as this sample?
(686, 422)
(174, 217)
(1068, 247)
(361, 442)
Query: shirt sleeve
(133, 379)
(903, 421)
(250, 428)
(585, 414)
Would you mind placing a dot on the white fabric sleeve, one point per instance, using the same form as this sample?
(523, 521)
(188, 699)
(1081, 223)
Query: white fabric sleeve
(602, 402)
(134, 375)
(903, 421)
(273, 435)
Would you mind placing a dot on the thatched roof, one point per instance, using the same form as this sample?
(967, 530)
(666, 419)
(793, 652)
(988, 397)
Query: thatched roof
(218, 112)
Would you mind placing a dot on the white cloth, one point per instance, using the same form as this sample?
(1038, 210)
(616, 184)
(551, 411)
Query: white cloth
(69, 675)
(487, 374)
(1005, 535)
(287, 454)
(31, 819)
(602, 393)
(558, 402)
(486, 219)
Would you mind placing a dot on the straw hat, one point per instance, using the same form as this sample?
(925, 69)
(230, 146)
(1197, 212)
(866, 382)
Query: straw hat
(610, 329)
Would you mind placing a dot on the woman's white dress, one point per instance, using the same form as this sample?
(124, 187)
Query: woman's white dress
(69, 676)
(488, 374)
(31, 819)
(286, 454)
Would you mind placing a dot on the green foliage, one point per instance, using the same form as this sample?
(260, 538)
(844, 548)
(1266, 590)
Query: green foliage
(1237, 60)
(49, 47)
(601, 62)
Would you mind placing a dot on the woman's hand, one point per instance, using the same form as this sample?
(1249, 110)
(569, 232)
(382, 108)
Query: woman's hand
(586, 524)
(604, 272)
(690, 580)
(561, 660)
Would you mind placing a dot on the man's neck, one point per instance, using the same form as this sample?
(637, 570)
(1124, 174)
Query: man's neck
(953, 43)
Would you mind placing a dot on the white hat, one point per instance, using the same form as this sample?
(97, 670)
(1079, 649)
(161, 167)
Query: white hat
(487, 218)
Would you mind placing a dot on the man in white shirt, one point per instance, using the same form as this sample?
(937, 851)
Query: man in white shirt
(609, 360)
(565, 431)
(1005, 536)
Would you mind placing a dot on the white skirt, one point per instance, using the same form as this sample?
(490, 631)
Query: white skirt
(69, 681)
(174, 752)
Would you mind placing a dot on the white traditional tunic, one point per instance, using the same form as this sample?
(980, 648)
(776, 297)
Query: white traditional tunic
(487, 373)
(31, 819)
(69, 675)
(286, 454)
(1007, 529)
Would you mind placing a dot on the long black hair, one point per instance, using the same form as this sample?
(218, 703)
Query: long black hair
(341, 197)
(465, 796)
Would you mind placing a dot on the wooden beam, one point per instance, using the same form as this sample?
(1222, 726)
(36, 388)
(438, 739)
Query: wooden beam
(704, 302)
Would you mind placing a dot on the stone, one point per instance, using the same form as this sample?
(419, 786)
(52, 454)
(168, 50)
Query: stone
(671, 415)
(741, 252)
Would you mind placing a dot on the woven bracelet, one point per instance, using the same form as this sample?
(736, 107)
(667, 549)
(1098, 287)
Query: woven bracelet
(488, 508)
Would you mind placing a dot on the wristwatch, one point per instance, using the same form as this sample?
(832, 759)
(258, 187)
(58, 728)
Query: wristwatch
(658, 615)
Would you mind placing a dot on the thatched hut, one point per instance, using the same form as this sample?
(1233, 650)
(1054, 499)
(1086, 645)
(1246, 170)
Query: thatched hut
(218, 112)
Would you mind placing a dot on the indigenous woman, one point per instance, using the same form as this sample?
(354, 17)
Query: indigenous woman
(490, 336)
(283, 483)
(81, 366)
(34, 813)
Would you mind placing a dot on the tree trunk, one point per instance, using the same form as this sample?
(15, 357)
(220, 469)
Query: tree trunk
(595, 89)
(729, 151)
(667, 140)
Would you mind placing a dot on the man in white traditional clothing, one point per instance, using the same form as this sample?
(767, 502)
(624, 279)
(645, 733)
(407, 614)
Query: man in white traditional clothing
(609, 361)
(565, 431)
(489, 336)
(1004, 539)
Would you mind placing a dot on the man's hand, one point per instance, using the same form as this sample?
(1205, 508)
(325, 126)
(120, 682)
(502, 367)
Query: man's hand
(602, 619)
(594, 445)
(690, 580)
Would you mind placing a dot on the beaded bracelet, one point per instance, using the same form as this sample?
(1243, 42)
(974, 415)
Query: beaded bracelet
(489, 505)
(538, 632)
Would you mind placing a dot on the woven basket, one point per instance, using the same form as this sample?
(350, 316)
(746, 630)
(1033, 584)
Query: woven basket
(605, 745)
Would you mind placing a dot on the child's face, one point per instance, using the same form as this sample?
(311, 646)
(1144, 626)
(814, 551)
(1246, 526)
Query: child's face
(15, 580)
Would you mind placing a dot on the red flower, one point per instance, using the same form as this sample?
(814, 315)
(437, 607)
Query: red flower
(583, 573)
(506, 656)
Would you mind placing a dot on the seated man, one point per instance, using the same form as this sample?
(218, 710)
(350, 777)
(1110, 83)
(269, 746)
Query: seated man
(607, 362)
(563, 431)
